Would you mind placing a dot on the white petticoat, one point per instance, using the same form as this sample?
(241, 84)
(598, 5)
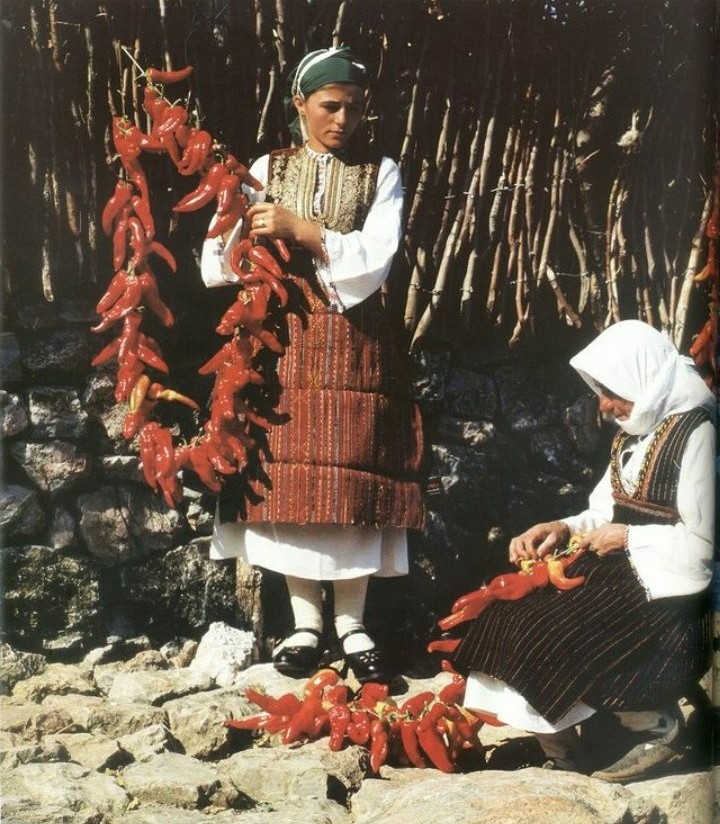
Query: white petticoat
(488, 694)
(321, 552)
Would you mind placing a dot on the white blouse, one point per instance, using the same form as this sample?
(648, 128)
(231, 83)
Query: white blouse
(358, 262)
(668, 559)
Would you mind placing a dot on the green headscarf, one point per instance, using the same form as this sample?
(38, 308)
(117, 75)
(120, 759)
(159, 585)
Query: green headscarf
(317, 69)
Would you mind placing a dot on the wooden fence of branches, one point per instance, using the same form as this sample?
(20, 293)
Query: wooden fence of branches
(557, 155)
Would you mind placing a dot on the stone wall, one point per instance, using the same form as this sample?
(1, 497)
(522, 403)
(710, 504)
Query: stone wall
(90, 552)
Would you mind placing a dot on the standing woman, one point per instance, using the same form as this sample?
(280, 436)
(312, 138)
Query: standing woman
(339, 488)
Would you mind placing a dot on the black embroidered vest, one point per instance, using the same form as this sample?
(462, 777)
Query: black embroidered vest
(654, 499)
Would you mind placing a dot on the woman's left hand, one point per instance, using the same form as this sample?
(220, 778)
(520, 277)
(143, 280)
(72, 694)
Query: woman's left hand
(273, 220)
(605, 539)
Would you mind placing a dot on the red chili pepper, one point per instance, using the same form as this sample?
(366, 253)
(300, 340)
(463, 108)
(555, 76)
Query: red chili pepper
(168, 77)
(339, 716)
(283, 250)
(237, 168)
(130, 336)
(432, 744)
(223, 223)
(173, 117)
(446, 645)
(336, 693)
(453, 693)
(315, 685)
(147, 456)
(411, 745)
(151, 298)
(250, 311)
(260, 256)
(358, 730)
(285, 705)
(116, 289)
(227, 188)
(154, 103)
(148, 356)
(414, 705)
(703, 346)
(129, 300)
(142, 209)
(303, 722)
(251, 722)
(205, 192)
(106, 352)
(196, 152)
(138, 242)
(120, 236)
(162, 251)
(120, 197)
(200, 464)
(378, 744)
(371, 693)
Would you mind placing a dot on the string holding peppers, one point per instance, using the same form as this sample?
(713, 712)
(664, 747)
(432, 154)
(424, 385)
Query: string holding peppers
(221, 447)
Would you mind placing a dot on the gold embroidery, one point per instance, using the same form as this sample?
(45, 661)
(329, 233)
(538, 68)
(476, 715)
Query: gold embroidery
(349, 188)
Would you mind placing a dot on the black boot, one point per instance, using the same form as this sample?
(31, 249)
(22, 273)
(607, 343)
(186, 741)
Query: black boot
(369, 664)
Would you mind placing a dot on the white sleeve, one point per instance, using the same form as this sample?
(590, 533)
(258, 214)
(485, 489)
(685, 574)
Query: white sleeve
(358, 262)
(669, 559)
(677, 560)
(215, 257)
(600, 508)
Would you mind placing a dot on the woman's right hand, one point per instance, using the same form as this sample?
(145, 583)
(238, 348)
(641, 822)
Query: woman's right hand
(538, 541)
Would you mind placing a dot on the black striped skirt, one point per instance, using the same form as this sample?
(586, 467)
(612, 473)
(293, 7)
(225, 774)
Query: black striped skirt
(603, 643)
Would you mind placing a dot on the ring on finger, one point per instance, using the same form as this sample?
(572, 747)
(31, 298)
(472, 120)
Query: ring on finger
(261, 223)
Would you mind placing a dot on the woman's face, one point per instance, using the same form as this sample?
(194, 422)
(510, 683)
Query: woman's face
(332, 114)
(613, 406)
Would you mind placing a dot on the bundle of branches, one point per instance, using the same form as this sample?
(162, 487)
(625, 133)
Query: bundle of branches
(557, 156)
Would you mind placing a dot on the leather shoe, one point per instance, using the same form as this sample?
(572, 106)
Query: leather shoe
(298, 661)
(368, 665)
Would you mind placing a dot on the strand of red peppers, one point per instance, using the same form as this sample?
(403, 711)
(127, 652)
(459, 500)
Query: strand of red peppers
(703, 349)
(221, 449)
(425, 729)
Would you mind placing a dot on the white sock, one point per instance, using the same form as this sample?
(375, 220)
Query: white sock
(306, 602)
(349, 595)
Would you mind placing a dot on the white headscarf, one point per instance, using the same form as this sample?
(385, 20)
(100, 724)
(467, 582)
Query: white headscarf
(636, 362)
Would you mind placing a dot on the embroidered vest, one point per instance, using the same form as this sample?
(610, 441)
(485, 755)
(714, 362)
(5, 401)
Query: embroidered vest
(654, 499)
(349, 188)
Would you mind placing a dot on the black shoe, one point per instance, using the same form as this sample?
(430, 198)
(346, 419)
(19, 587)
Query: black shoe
(299, 661)
(368, 665)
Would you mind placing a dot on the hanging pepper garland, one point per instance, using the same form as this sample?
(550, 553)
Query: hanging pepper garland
(222, 447)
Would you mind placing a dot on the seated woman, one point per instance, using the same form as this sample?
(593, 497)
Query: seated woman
(635, 637)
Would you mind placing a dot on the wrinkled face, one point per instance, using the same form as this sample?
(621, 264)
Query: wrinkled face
(332, 114)
(613, 406)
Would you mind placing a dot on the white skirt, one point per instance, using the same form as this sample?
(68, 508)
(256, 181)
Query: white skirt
(321, 552)
(487, 694)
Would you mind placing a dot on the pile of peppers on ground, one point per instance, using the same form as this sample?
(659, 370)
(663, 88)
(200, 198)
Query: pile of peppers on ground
(426, 729)
(221, 448)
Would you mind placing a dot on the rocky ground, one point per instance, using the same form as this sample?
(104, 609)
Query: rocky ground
(133, 735)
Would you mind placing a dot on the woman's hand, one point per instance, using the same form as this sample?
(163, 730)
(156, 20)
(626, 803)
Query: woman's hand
(273, 220)
(605, 539)
(538, 541)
